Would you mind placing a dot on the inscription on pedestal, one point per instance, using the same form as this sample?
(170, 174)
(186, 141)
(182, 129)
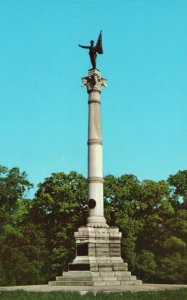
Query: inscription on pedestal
(82, 249)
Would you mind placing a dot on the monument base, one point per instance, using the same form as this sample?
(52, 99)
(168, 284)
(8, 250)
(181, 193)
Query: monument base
(98, 261)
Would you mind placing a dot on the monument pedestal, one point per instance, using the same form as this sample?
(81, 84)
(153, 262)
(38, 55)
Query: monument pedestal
(98, 260)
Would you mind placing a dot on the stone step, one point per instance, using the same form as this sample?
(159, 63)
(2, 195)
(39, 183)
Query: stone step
(127, 277)
(115, 278)
(95, 282)
(59, 278)
(122, 273)
(52, 282)
(107, 273)
(95, 274)
(120, 267)
(74, 279)
(105, 283)
(75, 283)
(99, 283)
(138, 282)
(131, 282)
(91, 275)
(131, 279)
(113, 283)
(114, 273)
(76, 273)
(109, 278)
(105, 269)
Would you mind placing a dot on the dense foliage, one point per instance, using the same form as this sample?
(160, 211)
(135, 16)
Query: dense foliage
(36, 235)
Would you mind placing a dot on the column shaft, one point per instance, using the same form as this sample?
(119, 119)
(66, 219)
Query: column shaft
(95, 161)
(94, 83)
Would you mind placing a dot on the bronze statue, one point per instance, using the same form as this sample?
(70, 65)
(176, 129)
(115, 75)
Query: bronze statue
(94, 50)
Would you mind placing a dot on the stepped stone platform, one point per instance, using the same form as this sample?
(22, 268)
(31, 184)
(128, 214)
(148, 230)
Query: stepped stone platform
(102, 278)
(98, 261)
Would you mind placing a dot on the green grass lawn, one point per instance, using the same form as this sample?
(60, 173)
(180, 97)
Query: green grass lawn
(180, 294)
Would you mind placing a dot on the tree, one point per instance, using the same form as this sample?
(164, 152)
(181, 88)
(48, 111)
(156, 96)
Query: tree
(13, 262)
(13, 186)
(57, 208)
(146, 265)
(178, 184)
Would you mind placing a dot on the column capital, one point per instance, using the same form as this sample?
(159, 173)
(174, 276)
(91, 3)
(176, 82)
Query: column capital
(94, 81)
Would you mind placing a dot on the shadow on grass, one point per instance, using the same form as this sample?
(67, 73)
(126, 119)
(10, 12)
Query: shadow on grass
(180, 294)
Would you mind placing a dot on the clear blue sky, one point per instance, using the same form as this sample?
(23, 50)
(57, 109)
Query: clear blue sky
(44, 110)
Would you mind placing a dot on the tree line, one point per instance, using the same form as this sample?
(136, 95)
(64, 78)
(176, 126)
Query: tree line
(36, 235)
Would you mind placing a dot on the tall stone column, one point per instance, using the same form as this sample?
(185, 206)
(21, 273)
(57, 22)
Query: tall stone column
(94, 83)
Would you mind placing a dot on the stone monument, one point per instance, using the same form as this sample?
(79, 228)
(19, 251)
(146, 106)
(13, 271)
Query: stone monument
(98, 259)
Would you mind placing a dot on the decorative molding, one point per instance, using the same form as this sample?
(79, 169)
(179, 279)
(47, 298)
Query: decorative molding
(95, 180)
(97, 225)
(94, 142)
(94, 101)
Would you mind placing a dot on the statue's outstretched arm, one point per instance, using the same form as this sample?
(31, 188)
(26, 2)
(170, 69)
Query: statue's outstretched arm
(85, 47)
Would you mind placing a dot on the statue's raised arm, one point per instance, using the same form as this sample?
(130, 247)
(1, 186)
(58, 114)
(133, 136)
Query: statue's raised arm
(85, 47)
(93, 50)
